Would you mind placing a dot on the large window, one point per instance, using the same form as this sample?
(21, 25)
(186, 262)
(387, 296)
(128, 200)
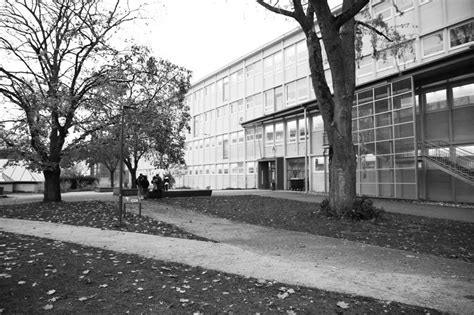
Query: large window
(278, 98)
(225, 87)
(302, 129)
(302, 89)
(290, 57)
(291, 131)
(279, 133)
(463, 95)
(433, 44)
(436, 100)
(384, 133)
(461, 35)
(269, 101)
(291, 94)
(225, 148)
(365, 66)
(258, 133)
(269, 135)
(250, 167)
(301, 52)
(250, 133)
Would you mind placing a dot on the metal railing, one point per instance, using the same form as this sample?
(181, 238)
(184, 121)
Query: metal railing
(440, 153)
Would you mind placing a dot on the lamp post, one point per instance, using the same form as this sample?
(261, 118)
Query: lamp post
(120, 210)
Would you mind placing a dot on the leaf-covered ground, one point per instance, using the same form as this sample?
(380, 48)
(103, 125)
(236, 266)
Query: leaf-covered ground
(445, 238)
(99, 214)
(40, 276)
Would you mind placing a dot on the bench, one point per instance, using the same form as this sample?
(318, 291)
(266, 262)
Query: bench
(131, 201)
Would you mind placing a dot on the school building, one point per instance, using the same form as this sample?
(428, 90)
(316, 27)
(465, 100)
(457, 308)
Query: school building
(255, 122)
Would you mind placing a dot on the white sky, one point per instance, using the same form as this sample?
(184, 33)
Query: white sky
(205, 35)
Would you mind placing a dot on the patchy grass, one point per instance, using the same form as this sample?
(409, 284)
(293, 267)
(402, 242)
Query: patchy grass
(445, 238)
(40, 276)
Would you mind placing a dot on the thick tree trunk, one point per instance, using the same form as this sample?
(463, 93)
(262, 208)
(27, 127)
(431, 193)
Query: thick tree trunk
(133, 174)
(52, 185)
(342, 175)
(112, 178)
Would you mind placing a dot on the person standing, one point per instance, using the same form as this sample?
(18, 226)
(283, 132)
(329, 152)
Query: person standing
(166, 183)
(157, 184)
(140, 182)
(145, 185)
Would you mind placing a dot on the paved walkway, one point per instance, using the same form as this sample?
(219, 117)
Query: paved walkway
(286, 256)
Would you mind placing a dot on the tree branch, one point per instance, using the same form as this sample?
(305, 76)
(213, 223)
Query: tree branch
(374, 29)
(350, 12)
(276, 9)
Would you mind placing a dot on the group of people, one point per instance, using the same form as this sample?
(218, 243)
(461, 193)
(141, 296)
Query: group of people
(158, 184)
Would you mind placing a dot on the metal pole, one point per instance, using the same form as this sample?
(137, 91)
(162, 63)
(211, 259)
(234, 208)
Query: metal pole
(121, 167)
(306, 171)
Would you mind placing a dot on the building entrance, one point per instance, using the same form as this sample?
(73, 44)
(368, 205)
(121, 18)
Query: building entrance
(270, 174)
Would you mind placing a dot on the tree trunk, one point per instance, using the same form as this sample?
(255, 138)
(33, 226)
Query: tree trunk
(342, 175)
(133, 174)
(112, 177)
(52, 185)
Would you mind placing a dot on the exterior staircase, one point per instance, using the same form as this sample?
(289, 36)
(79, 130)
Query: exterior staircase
(439, 155)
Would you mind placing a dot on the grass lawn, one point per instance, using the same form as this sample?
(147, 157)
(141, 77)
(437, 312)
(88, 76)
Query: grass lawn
(445, 238)
(45, 276)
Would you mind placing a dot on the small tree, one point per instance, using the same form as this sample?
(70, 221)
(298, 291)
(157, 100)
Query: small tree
(103, 149)
(151, 93)
(54, 51)
(337, 33)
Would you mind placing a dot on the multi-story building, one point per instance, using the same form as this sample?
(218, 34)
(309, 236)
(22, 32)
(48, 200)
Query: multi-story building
(255, 122)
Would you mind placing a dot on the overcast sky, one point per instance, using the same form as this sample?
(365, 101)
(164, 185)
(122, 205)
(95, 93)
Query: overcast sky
(205, 35)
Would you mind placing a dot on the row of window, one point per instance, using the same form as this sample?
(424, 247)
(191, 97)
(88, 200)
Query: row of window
(221, 169)
(296, 130)
(431, 45)
(438, 99)
(231, 87)
(272, 100)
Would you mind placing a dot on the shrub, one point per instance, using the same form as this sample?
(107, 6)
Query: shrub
(77, 182)
(362, 209)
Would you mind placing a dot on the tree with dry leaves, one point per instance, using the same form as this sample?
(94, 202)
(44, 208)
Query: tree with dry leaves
(337, 33)
(52, 52)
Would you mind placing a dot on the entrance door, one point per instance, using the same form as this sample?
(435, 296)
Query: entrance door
(266, 174)
(270, 174)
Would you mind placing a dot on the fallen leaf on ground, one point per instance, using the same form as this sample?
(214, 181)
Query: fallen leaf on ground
(343, 305)
(284, 295)
(85, 298)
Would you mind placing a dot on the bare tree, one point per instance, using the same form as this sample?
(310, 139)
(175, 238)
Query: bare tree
(337, 34)
(54, 51)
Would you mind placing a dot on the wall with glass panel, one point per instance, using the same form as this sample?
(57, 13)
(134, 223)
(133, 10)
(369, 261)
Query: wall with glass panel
(383, 129)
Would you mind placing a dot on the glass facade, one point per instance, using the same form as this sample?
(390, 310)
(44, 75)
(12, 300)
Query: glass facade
(384, 132)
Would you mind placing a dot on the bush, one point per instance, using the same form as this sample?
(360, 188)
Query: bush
(78, 182)
(362, 209)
